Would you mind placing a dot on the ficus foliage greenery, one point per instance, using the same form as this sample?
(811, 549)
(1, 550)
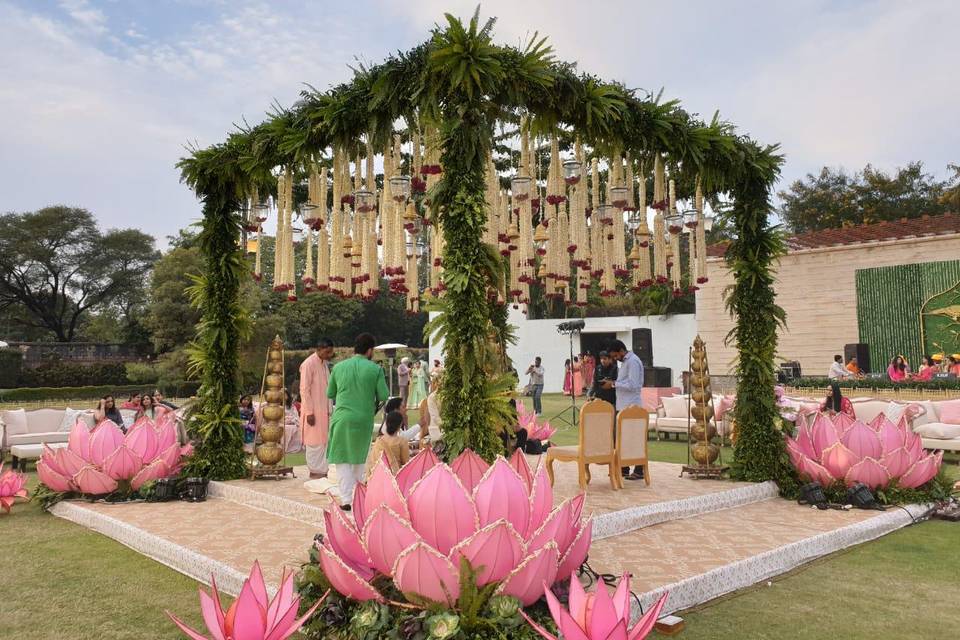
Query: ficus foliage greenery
(464, 84)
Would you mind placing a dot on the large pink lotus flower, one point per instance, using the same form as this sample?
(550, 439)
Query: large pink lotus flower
(12, 486)
(848, 450)
(251, 616)
(95, 462)
(597, 616)
(528, 420)
(418, 526)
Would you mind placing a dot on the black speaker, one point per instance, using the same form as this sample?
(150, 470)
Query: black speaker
(859, 351)
(657, 377)
(643, 346)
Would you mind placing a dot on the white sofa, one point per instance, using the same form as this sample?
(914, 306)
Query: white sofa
(934, 433)
(18, 426)
(673, 416)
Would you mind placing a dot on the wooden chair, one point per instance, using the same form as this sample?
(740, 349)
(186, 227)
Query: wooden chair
(596, 444)
(632, 426)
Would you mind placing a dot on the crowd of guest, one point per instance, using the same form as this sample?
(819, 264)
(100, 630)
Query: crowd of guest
(138, 405)
(898, 369)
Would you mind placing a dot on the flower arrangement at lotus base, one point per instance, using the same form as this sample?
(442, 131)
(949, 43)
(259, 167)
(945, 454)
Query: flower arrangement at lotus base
(12, 486)
(104, 460)
(535, 431)
(252, 615)
(878, 454)
(597, 615)
(469, 537)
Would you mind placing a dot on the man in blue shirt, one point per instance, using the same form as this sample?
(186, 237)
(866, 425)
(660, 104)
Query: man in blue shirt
(628, 386)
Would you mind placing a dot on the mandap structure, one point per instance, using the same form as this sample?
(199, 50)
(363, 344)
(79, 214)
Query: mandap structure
(503, 169)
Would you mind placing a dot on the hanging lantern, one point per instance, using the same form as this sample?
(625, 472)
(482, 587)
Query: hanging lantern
(572, 171)
(674, 223)
(260, 211)
(296, 234)
(311, 215)
(520, 186)
(252, 244)
(690, 218)
(707, 223)
(618, 197)
(411, 221)
(364, 201)
(643, 237)
(605, 214)
(400, 188)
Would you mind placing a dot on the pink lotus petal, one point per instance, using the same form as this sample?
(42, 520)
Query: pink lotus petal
(49, 457)
(142, 421)
(470, 468)
(842, 422)
(603, 616)
(166, 436)
(212, 614)
(344, 579)
(382, 488)
(143, 442)
(282, 600)
(576, 507)
(526, 582)
(186, 450)
(922, 472)
(646, 623)
(94, 482)
(493, 552)
(541, 501)
(258, 587)
(69, 461)
(441, 511)
(122, 464)
(913, 443)
(578, 602)
(566, 620)
(891, 437)
(345, 541)
(106, 439)
(415, 469)
(577, 552)
(423, 571)
(869, 472)
(249, 619)
(877, 421)
(359, 510)
(79, 440)
(838, 459)
(193, 634)
(519, 463)
(621, 598)
(170, 455)
(502, 494)
(805, 442)
(794, 451)
(897, 462)
(385, 536)
(557, 529)
(862, 441)
(816, 472)
(153, 471)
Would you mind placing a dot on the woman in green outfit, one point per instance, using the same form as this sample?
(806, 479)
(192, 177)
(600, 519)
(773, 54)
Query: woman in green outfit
(357, 387)
(418, 385)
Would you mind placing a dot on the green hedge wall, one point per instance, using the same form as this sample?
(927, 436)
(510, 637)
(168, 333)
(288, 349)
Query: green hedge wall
(11, 363)
(181, 389)
(873, 383)
(62, 374)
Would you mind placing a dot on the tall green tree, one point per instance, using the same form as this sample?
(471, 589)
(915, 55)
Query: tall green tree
(833, 198)
(170, 316)
(59, 267)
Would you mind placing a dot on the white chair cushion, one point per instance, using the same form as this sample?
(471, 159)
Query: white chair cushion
(15, 421)
(939, 430)
(672, 424)
(894, 411)
(38, 438)
(633, 444)
(675, 406)
(869, 409)
(44, 420)
(70, 417)
(930, 414)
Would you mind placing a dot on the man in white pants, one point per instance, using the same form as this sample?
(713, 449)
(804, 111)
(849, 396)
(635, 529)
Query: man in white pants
(315, 407)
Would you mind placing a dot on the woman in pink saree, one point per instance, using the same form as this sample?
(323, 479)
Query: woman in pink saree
(567, 377)
(897, 371)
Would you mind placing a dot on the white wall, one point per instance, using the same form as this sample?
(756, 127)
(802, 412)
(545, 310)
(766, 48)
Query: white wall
(672, 336)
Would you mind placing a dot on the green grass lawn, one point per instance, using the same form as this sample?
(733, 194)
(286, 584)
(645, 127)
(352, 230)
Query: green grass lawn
(61, 580)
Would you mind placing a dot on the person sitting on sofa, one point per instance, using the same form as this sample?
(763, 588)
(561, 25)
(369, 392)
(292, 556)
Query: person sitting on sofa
(927, 369)
(149, 408)
(390, 444)
(897, 371)
(835, 403)
(132, 403)
(107, 410)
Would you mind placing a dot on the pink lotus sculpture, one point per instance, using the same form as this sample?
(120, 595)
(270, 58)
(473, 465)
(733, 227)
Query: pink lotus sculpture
(12, 486)
(418, 526)
(848, 450)
(528, 420)
(251, 616)
(597, 616)
(96, 462)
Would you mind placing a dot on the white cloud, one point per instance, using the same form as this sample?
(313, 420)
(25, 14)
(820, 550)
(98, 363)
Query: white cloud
(88, 17)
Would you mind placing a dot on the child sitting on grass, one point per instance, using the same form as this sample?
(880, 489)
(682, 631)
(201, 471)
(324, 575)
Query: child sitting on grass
(391, 444)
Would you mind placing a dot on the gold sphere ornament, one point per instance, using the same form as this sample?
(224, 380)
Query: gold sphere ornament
(705, 453)
(702, 412)
(275, 381)
(271, 432)
(273, 413)
(269, 453)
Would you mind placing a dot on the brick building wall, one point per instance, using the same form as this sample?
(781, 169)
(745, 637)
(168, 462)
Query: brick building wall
(816, 288)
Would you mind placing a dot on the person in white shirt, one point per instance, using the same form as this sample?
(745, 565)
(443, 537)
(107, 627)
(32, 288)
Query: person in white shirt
(837, 370)
(536, 371)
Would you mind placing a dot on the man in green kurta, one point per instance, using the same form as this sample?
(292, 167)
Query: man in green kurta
(356, 386)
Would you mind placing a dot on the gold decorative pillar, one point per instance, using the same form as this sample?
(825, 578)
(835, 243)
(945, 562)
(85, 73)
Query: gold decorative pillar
(703, 452)
(269, 452)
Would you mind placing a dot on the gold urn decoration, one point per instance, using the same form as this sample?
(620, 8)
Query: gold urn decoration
(703, 453)
(269, 452)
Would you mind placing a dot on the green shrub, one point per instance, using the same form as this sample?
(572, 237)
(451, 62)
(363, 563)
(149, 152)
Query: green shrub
(877, 383)
(142, 373)
(11, 364)
(58, 373)
(181, 389)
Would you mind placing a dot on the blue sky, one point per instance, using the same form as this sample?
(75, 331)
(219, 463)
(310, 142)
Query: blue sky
(99, 97)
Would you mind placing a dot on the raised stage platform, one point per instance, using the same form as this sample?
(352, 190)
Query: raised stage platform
(698, 539)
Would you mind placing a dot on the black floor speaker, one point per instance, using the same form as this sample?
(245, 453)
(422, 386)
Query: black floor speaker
(859, 351)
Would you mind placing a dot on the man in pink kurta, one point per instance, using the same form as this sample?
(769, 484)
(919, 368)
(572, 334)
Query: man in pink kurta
(315, 407)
